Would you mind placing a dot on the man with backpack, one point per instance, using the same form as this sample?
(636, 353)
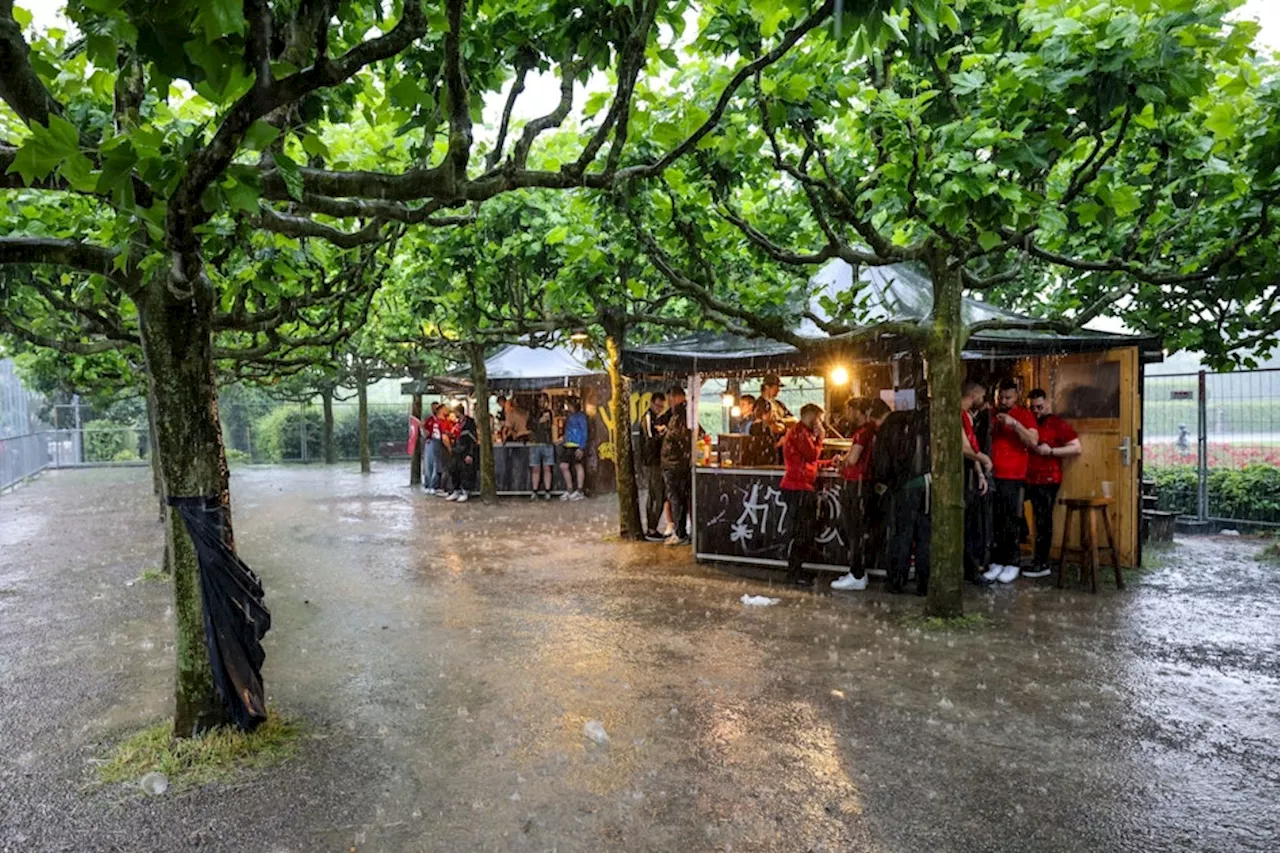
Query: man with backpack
(653, 425)
(901, 463)
(677, 466)
(466, 458)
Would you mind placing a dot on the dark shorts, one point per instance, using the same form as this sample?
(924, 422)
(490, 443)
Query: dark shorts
(541, 454)
(569, 455)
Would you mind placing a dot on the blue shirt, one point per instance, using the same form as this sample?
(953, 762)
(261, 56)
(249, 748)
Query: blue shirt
(575, 430)
(745, 426)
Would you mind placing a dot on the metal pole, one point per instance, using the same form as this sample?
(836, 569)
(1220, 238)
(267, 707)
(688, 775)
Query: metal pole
(1202, 453)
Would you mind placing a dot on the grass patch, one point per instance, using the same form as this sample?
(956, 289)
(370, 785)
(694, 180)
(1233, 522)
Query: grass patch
(215, 756)
(1271, 553)
(966, 622)
(152, 574)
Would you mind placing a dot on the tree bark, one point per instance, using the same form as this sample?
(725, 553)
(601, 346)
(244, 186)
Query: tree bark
(415, 458)
(179, 354)
(330, 449)
(942, 353)
(157, 475)
(362, 395)
(484, 427)
(629, 526)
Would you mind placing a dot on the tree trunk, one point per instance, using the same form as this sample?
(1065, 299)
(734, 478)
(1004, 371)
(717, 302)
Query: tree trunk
(629, 526)
(330, 449)
(484, 427)
(942, 351)
(157, 475)
(179, 354)
(362, 395)
(415, 458)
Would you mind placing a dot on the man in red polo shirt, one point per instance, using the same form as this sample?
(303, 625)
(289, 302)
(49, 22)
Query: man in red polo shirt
(801, 450)
(1013, 434)
(1058, 441)
(858, 499)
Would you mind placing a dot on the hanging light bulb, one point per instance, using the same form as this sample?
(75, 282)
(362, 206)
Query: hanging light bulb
(840, 376)
(727, 401)
(736, 411)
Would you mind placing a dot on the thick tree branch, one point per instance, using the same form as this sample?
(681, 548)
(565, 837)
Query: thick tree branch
(65, 253)
(20, 87)
(302, 226)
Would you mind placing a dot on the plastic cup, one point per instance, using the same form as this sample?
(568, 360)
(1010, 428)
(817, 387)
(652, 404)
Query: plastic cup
(1106, 488)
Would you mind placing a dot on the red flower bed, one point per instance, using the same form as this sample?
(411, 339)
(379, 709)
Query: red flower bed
(1220, 455)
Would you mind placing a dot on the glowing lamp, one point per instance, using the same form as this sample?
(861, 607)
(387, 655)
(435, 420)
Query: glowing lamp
(580, 337)
(736, 411)
(727, 401)
(840, 376)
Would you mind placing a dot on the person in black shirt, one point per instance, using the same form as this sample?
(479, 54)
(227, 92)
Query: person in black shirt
(653, 425)
(763, 446)
(466, 458)
(542, 455)
(677, 466)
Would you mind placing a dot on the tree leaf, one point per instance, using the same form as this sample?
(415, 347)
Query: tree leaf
(290, 174)
(260, 135)
(220, 18)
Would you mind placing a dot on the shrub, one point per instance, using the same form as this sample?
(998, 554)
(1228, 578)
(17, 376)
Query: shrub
(384, 425)
(279, 435)
(106, 441)
(235, 457)
(125, 455)
(1251, 493)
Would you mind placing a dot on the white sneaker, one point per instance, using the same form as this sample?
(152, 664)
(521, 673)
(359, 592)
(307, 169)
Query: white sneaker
(1042, 572)
(429, 492)
(1009, 574)
(577, 496)
(452, 496)
(993, 571)
(533, 497)
(849, 582)
(463, 497)
(566, 496)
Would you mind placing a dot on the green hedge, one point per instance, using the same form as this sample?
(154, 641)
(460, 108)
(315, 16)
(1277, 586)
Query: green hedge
(1251, 493)
(384, 425)
(110, 441)
(278, 435)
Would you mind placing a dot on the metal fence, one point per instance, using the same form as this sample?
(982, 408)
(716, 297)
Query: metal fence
(25, 456)
(1211, 444)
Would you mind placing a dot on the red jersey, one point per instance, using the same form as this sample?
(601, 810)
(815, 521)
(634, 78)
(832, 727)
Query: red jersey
(1055, 432)
(864, 437)
(1008, 453)
(800, 452)
(967, 419)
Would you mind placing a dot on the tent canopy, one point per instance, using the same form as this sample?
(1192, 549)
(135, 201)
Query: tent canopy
(894, 293)
(513, 368)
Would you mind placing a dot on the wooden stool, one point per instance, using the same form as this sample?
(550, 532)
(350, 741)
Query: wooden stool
(1087, 511)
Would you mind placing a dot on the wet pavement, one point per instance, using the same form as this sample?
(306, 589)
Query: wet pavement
(446, 658)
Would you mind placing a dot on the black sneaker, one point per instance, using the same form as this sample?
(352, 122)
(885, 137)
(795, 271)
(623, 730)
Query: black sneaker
(650, 536)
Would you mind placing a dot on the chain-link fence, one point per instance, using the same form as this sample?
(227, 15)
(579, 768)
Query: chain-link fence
(1211, 444)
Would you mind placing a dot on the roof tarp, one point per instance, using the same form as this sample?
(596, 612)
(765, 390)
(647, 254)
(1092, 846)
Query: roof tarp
(892, 293)
(515, 368)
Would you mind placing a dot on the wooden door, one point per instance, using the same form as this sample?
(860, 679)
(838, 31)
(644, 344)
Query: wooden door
(1098, 394)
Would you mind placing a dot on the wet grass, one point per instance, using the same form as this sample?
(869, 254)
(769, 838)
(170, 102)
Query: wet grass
(152, 574)
(1271, 552)
(965, 622)
(215, 756)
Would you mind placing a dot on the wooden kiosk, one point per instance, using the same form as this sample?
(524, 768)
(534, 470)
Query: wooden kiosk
(1093, 378)
(526, 373)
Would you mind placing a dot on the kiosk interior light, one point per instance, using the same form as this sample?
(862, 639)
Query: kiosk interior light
(736, 411)
(580, 336)
(840, 376)
(728, 401)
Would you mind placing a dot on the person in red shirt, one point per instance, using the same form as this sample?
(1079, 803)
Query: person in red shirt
(1013, 434)
(801, 450)
(1058, 441)
(858, 499)
(977, 485)
(434, 429)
